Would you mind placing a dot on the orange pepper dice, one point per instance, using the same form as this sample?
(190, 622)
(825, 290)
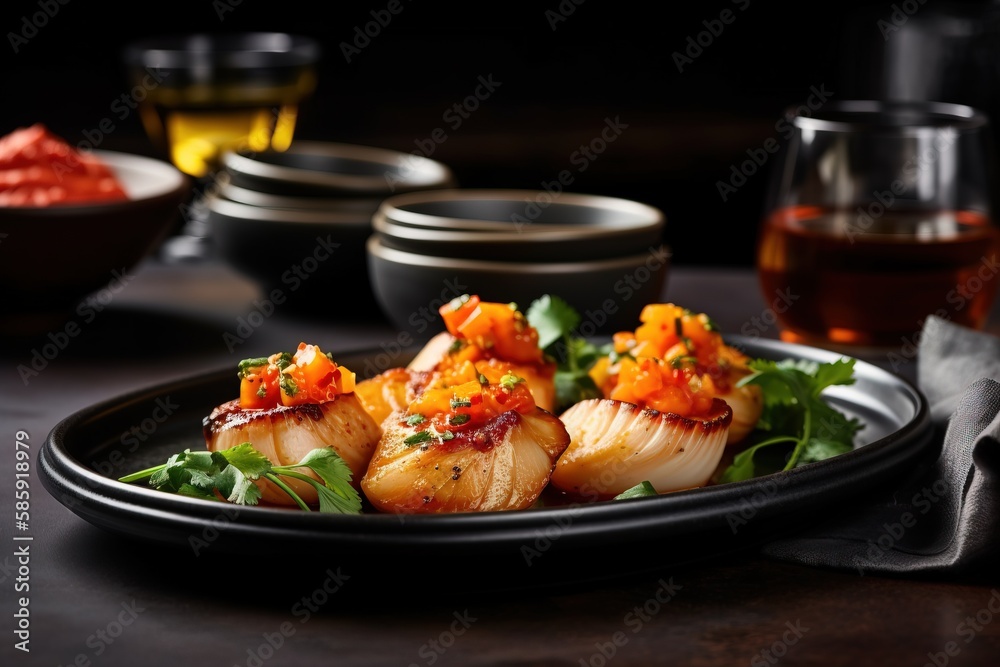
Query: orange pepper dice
(498, 327)
(471, 395)
(664, 325)
(672, 362)
(307, 376)
(653, 383)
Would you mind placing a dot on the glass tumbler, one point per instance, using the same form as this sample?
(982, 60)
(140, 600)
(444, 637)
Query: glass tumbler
(879, 214)
(202, 94)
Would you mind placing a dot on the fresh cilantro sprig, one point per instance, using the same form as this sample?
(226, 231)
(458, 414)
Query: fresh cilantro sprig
(556, 322)
(796, 414)
(232, 473)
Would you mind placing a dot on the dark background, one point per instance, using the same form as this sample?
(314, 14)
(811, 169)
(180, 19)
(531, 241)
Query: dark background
(605, 60)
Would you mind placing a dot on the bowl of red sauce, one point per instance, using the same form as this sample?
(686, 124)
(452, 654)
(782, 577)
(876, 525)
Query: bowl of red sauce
(73, 222)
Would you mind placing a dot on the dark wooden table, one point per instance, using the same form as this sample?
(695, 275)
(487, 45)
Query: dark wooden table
(98, 599)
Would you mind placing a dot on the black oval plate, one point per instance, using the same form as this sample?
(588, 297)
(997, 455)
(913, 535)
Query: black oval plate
(86, 453)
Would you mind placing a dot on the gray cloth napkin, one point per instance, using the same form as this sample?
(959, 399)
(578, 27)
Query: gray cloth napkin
(945, 519)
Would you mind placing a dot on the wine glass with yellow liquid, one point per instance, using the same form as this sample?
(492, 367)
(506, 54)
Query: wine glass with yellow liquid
(200, 95)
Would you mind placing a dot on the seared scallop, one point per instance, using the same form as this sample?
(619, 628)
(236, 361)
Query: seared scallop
(689, 347)
(615, 445)
(502, 465)
(285, 434)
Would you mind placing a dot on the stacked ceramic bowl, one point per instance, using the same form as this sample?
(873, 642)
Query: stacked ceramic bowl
(605, 256)
(297, 221)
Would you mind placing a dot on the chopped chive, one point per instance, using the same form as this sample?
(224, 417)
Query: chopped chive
(417, 438)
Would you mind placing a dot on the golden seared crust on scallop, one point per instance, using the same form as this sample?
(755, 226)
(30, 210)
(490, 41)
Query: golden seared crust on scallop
(286, 434)
(503, 465)
(389, 391)
(616, 445)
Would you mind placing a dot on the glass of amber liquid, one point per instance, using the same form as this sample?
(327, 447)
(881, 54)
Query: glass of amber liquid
(878, 215)
(199, 95)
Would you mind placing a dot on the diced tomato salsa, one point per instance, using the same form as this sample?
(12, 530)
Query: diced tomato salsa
(675, 361)
(467, 398)
(307, 376)
(497, 329)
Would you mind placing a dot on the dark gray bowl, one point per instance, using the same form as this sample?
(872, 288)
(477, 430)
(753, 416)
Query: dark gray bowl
(56, 256)
(609, 294)
(326, 169)
(307, 260)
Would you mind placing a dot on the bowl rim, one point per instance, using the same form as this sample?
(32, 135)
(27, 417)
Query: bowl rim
(376, 249)
(228, 190)
(216, 204)
(648, 216)
(549, 234)
(427, 173)
(174, 184)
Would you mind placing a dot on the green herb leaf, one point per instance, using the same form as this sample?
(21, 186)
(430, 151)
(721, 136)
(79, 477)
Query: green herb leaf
(195, 492)
(556, 321)
(818, 450)
(161, 477)
(178, 469)
(797, 413)
(418, 437)
(552, 317)
(336, 495)
(237, 487)
(247, 460)
(641, 490)
(508, 382)
(573, 387)
(679, 362)
(236, 480)
(203, 481)
(328, 465)
(742, 466)
(247, 365)
(840, 372)
(233, 473)
(287, 384)
(332, 501)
